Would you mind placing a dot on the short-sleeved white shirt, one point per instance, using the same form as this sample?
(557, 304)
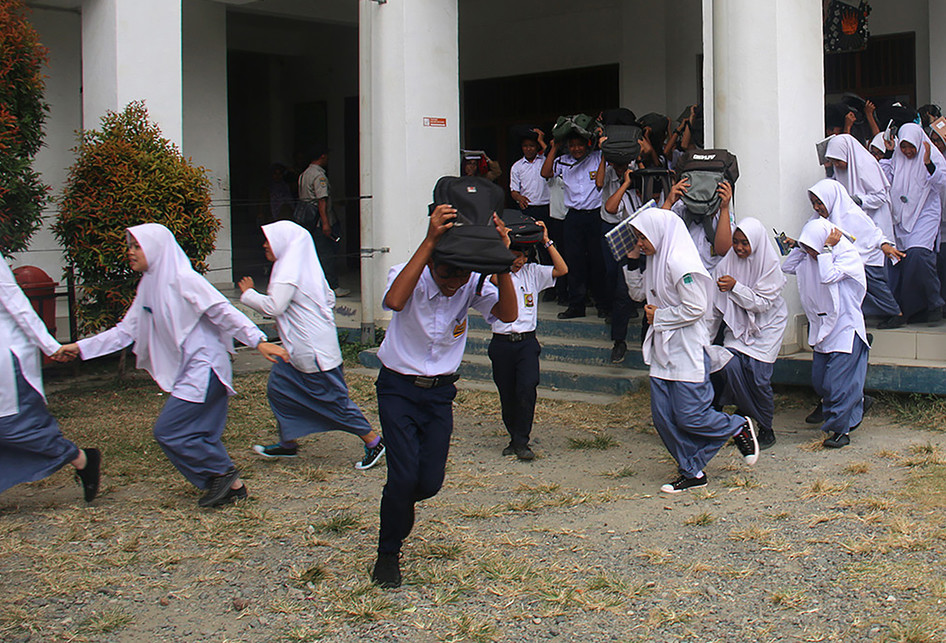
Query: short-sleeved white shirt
(578, 178)
(629, 202)
(428, 336)
(525, 177)
(529, 281)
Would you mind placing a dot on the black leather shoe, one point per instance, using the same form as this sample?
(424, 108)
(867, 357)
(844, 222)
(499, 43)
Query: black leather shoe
(523, 452)
(387, 571)
(766, 438)
(837, 441)
(218, 488)
(571, 313)
(89, 476)
(816, 416)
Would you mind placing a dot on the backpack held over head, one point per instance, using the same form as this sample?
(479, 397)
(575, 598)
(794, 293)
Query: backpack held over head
(705, 170)
(523, 230)
(580, 124)
(473, 242)
(622, 145)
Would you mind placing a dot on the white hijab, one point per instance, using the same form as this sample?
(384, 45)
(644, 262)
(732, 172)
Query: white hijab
(863, 174)
(877, 142)
(823, 299)
(676, 256)
(761, 271)
(910, 187)
(297, 262)
(171, 298)
(848, 216)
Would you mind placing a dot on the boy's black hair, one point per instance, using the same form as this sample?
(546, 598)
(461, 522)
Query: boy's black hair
(527, 249)
(576, 136)
(452, 271)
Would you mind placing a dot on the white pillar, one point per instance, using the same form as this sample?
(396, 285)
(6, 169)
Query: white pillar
(410, 124)
(768, 80)
(937, 10)
(131, 50)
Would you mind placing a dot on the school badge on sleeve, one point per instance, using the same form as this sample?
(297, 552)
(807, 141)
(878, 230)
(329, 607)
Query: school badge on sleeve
(528, 299)
(459, 329)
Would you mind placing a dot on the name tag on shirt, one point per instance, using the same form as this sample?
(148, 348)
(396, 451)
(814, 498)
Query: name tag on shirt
(459, 329)
(528, 299)
(593, 174)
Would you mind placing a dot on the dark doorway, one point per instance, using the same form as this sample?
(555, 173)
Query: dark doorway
(352, 200)
(886, 69)
(492, 106)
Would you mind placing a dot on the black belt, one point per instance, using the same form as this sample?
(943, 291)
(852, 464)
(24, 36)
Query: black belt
(513, 337)
(426, 381)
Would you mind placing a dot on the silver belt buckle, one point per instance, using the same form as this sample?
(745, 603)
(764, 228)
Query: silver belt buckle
(515, 337)
(423, 381)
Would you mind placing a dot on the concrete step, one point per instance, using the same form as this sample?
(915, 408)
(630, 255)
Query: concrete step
(556, 376)
(883, 373)
(574, 350)
(549, 326)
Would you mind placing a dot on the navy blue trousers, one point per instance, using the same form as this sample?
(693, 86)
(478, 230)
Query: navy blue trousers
(191, 434)
(747, 383)
(417, 424)
(879, 299)
(516, 373)
(622, 306)
(584, 259)
(916, 283)
(31, 445)
(839, 379)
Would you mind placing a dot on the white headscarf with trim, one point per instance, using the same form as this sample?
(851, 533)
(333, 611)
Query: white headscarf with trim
(863, 174)
(910, 188)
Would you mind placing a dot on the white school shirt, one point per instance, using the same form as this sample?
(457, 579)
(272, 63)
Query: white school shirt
(525, 177)
(578, 178)
(925, 230)
(698, 234)
(204, 350)
(629, 202)
(306, 327)
(428, 336)
(771, 318)
(685, 326)
(850, 320)
(21, 332)
(529, 281)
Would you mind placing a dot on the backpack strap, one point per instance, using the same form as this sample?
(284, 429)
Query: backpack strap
(479, 285)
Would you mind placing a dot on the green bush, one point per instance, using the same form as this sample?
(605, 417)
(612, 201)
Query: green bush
(126, 174)
(22, 114)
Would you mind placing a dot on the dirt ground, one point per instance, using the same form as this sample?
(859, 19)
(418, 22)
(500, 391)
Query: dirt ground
(578, 545)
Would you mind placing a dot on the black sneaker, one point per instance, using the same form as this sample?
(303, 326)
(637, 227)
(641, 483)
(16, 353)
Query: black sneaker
(837, 441)
(89, 476)
(509, 450)
(816, 416)
(276, 451)
(233, 495)
(372, 456)
(603, 313)
(894, 321)
(747, 442)
(523, 452)
(683, 483)
(618, 352)
(571, 313)
(766, 438)
(387, 571)
(868, 403)
(218, 488)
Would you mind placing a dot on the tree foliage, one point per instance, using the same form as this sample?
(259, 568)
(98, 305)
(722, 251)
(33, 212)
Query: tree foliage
(126, 174)
(22, 115)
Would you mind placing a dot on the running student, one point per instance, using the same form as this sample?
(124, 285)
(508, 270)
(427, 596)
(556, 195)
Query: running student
(31, 445)
(832, 285)
(678, 289)
(514, 349)
(420, 354)
(308, 394)
(749, 304)
(182, 329)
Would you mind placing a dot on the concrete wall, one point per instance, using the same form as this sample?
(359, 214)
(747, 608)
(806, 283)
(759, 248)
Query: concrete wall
(898, 16)
(60, 32)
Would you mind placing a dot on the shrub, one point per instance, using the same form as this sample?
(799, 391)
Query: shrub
(125, 174)
(22, 114)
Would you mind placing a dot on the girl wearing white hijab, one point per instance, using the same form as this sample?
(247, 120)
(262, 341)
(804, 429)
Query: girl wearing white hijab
(309, 394)
(830, 200)
(31, 445)
(917, 174)
(677, 289)
(861, 175)
(832, 285)
(749, 301)
(182, 329)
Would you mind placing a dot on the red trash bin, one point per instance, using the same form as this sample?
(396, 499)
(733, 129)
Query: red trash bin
(41, 290)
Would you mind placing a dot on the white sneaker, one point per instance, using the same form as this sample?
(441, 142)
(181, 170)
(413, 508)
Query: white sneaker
(342, 292)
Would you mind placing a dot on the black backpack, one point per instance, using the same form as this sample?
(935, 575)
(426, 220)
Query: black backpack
(473, 242)
(523, 230)
(622, 145)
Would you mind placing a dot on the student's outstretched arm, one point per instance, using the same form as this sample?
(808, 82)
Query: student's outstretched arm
(403, 285)
(549, 162)
(559, 267)
(507, 308)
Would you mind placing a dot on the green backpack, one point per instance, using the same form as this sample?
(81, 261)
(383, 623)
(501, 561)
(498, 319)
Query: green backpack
(580, 124)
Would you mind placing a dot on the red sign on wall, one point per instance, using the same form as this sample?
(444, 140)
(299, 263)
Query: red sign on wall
(434, 121)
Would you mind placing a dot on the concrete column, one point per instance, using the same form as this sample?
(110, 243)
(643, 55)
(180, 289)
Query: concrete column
(409, 125)
(131, 50)
(768, 80)
(937, 9)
